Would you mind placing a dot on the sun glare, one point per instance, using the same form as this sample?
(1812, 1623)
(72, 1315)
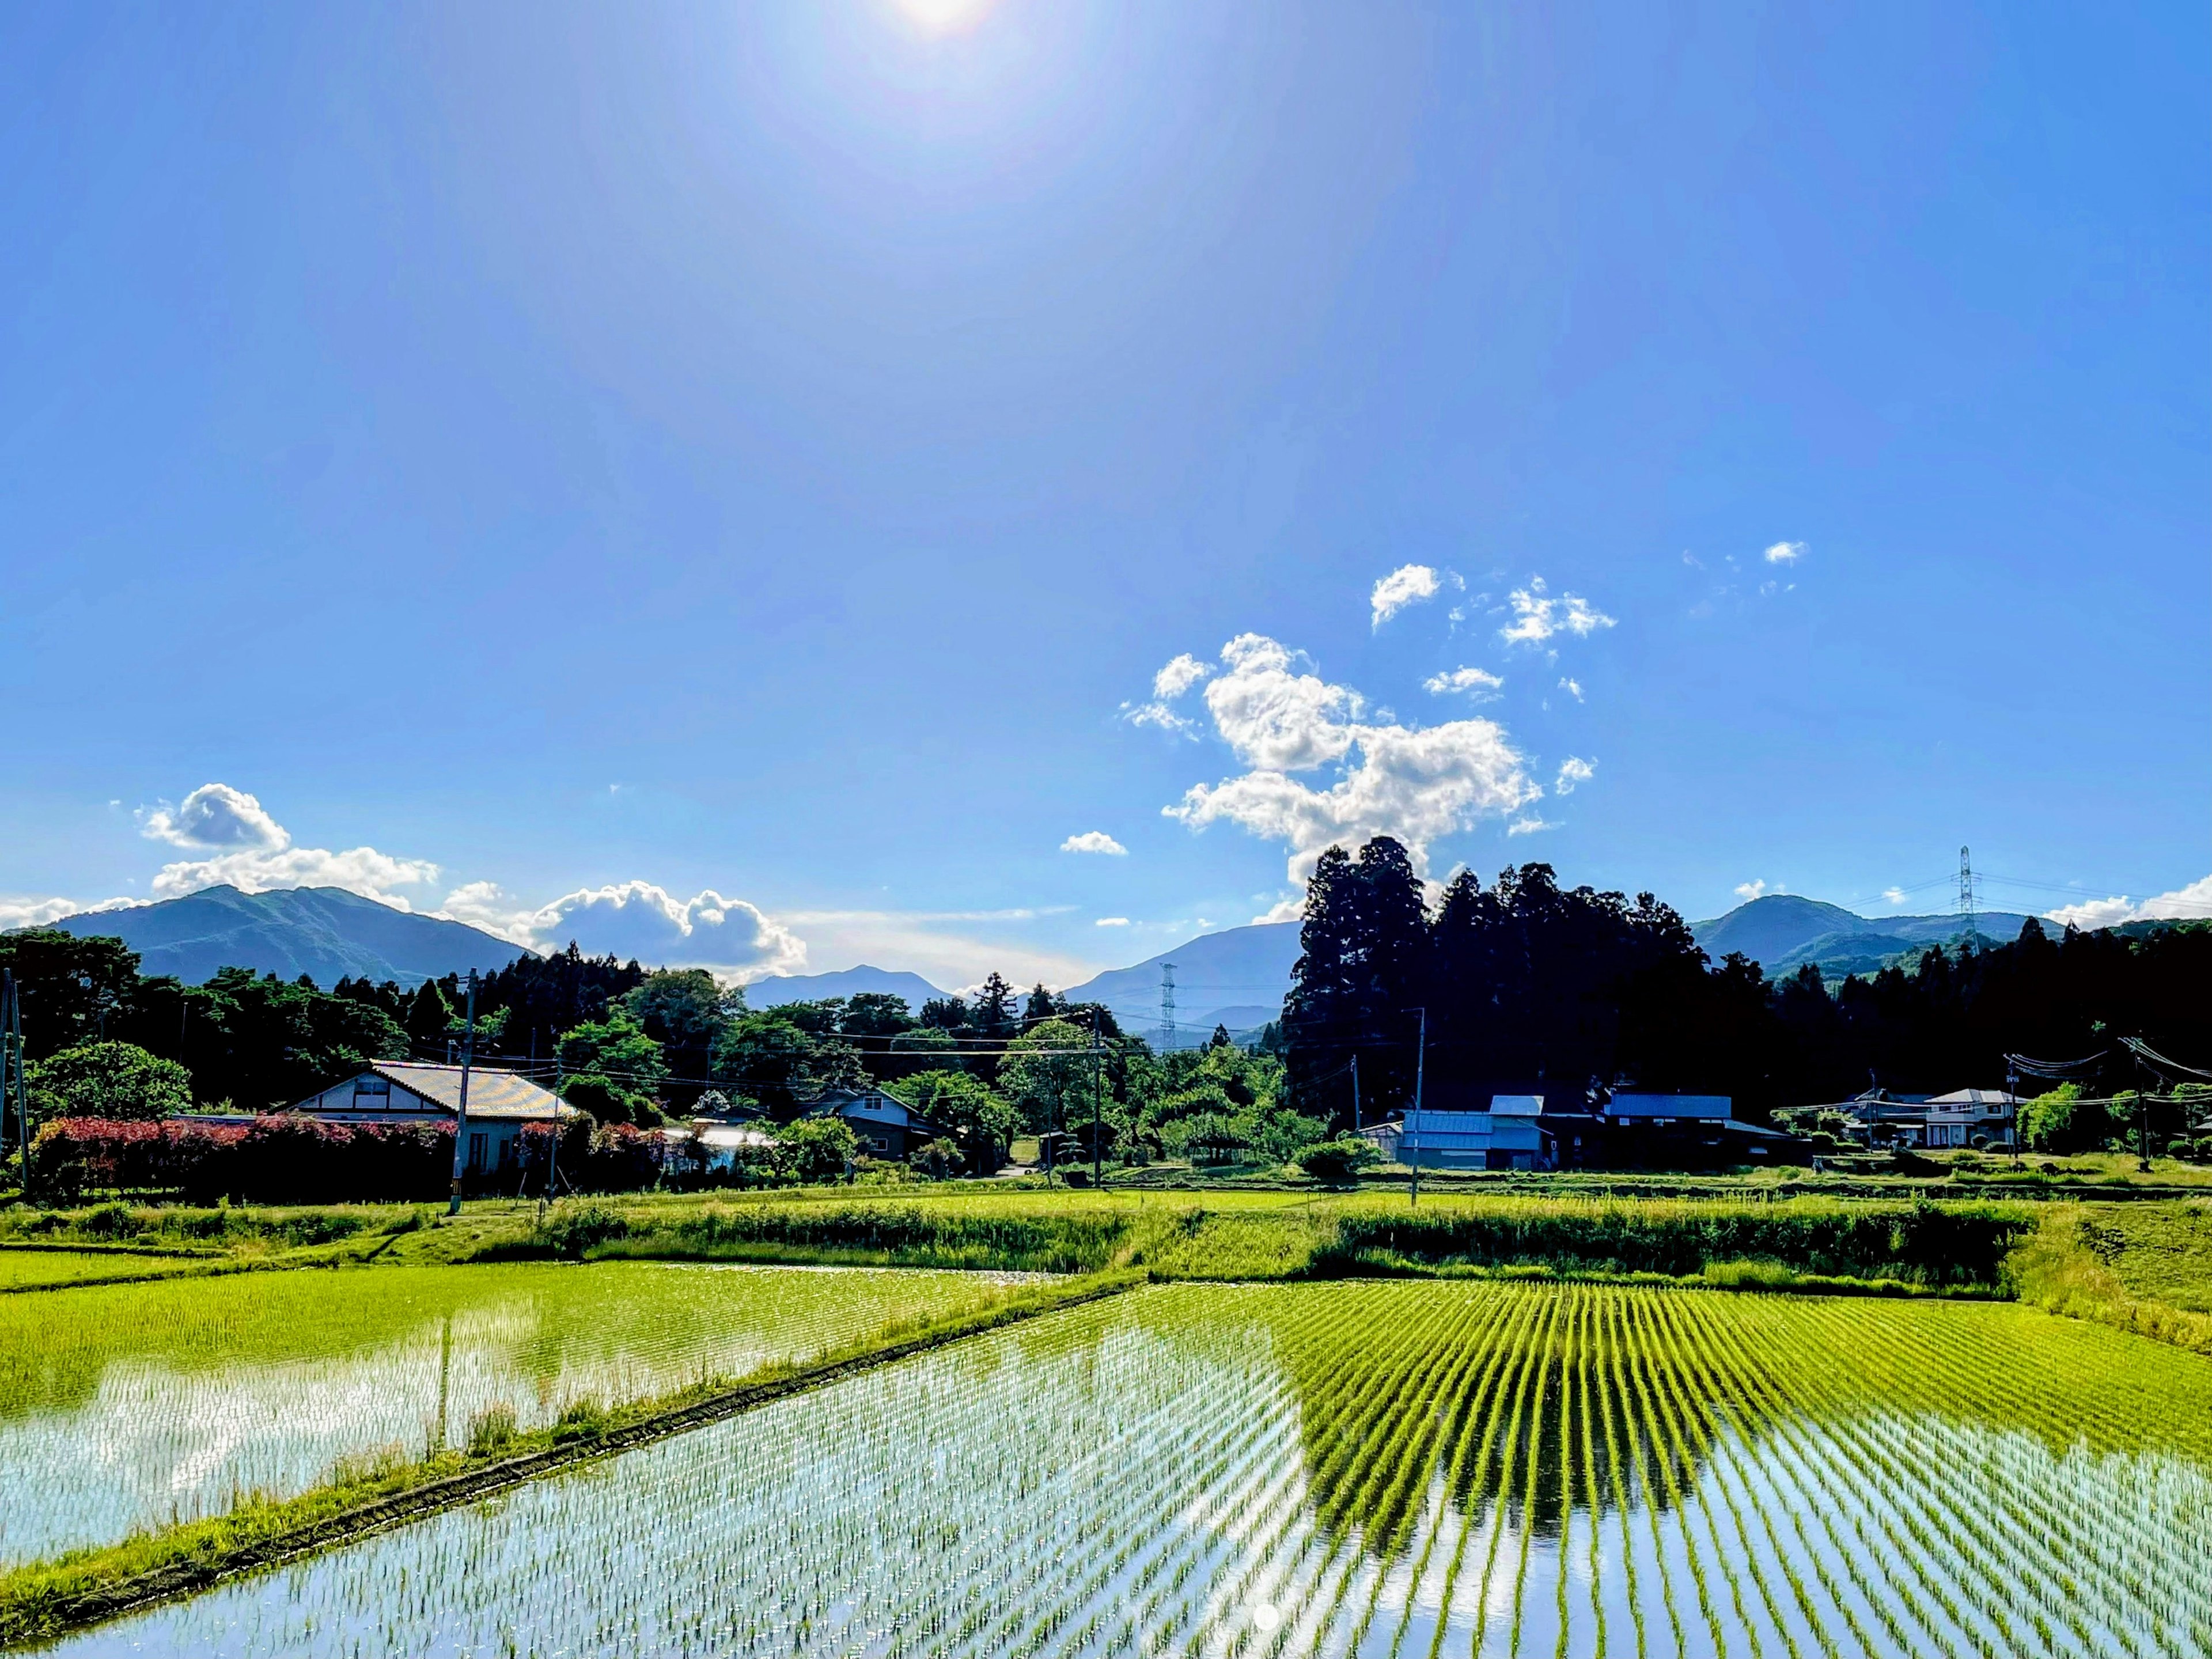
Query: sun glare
(945, 16)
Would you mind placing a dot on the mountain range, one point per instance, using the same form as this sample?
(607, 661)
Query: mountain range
(1782, 933)
(325, 932)
(1236, 978)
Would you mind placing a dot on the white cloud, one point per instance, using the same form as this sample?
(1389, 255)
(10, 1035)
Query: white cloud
(1750, 890)
(21, 912)
(1111, 921)
(215, 815)
(1414, 783)
(1479, 682)
(1573, 688)
(1528, 825)
(1573, 771)
(1785, 552)
(1537, 616)
(737, 941)
(254, 854)
(1094, 841)
(2187, 903)
(1178, 676)
(1182, 673)
(1274, 718)
(1290, 908)
(1409, 584)
(1893, 895)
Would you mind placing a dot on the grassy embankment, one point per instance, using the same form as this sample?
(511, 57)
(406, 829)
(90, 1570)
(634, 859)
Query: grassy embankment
(369, 1494)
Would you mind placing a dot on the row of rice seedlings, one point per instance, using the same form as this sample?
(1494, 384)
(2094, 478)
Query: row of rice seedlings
(1486, 1386)
(1781, 1426)
(1134, 1479)
(1686, 1336)
(1474, 1339)
(1961, 1531)
(2108, 1569)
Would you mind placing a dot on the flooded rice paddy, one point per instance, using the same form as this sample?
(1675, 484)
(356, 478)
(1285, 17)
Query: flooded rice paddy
(1414, 1469)
(126, 1407)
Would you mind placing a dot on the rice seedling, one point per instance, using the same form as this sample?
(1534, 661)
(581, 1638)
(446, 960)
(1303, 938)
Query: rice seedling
(1346, 1469)
(124, 1407)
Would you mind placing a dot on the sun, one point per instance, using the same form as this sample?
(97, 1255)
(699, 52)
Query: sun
(945, 16)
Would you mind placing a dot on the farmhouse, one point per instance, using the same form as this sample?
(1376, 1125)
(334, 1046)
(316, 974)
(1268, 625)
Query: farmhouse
(500, 1105)
(887, 1126)
(1964, 1117)
(1507, 1136)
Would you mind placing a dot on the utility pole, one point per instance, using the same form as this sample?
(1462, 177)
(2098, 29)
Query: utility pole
(8, 1077)
(11, 1073)
(1098, 1106)
(461, 1116)
(1421, 1067)
(1356, 1124)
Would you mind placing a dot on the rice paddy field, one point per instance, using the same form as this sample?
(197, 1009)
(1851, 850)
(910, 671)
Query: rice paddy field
(126, 1407)
(1415, 1468)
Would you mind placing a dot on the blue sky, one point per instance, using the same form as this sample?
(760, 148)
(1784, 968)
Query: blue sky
(728, 481)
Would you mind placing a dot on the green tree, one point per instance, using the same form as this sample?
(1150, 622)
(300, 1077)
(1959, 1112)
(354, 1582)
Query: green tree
(618, 1048)
(821, 1148)
(875, 1014)
(1039, 1008)
(72, 990)
(429, 1020)
(1051, 1090)
(1340, 1160)
(992, 1012)
(685, 1011)
(966, 1111)
(110, 1080)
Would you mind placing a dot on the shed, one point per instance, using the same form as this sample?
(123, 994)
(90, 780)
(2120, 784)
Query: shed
(1506, 1137)
(500, 1105)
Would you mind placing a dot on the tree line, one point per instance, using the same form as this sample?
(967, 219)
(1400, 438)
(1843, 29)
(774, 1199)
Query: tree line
(1524, 984)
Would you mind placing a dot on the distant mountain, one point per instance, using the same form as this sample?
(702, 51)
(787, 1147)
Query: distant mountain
(325, 932)
(1782, 931)
(1236, 978)
(779, 989)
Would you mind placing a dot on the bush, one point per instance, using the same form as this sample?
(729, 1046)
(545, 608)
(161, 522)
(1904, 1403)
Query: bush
(572, 1229)
(1340, 1160)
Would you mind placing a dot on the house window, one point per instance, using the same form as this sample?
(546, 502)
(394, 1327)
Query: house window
(479, 1143)
(372, 1094)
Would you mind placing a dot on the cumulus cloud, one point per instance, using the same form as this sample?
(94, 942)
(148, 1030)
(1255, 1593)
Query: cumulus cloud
(1111, 921)
(1572, 771)
(1750, 890)
(1412, 782)
(1893, 895)
(1409, 584)
(1573, 688)
(1094, 841)
(736, 941)
(1478, 683)
(251, 851)
(2188, 903)
(1528, 825)
(1181, 672)
(1785, 553)
(215, 816)
(1537, 616)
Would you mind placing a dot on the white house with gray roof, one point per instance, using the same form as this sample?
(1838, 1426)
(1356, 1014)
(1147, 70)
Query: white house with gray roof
(500, 1105)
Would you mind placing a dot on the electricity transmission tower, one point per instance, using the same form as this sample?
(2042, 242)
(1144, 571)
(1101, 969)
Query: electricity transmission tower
(1967, 896)
(1167, 1006)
